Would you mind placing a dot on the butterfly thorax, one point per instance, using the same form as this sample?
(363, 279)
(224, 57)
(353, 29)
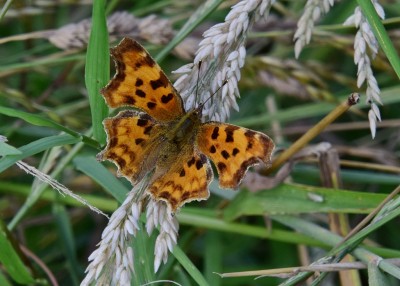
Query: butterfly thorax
(184, 129)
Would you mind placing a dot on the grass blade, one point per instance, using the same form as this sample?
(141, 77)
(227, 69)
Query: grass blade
(37, 147)
(97, 72)
(192, 23)
(380, 33)
(102, 176)
(295, 199)
(11, 260)
(39, 120)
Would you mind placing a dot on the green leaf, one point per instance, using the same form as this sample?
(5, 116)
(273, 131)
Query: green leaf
(39, 120)
(213, 257)
(11, 260)
(143, 249)
(308, 110)
(295, 199)
(375, 276)
(189, 266)
(4, 280)
(67, 241)
(102, 176)
(380, 33)
(5, 69)
(6, 149)
(37, 147)
(202, 218)
(97, 71)
(105, 204)
(203, 12)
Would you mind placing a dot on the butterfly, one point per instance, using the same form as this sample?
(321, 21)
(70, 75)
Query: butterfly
(159, 138)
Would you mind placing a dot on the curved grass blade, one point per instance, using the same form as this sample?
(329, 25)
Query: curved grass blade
(39, 120)
(37, 147)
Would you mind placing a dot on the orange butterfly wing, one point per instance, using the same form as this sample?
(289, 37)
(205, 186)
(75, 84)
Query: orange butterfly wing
(133, 143)
(140, 82)
(233, 150)
(187, 179)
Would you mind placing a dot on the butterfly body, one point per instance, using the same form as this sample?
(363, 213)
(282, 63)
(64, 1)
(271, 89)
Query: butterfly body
(165, 141)
(185, 128)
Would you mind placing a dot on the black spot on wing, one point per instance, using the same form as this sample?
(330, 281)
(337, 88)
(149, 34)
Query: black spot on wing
(221, 166)
(129, 100)
(229, 133)
(147, 130)
(139, 141)
(225, 154)
(199, 164)
(162, 81)
(140, 93)
(215, 133)
(167, 98)
(151, 105)
(191, 162)
(139, 82)
(142, 122)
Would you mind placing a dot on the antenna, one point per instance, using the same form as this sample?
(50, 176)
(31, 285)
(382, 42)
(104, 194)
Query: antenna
(202, 104)
(197, 85)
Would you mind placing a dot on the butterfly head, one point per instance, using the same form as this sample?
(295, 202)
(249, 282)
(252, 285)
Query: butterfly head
(199, 109)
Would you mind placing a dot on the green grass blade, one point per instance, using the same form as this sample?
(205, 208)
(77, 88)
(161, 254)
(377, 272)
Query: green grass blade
(102, 176)
(381, 219)
(143, 247)
(10, 259)
(203, 219)
(191, 24)
(322, 234)
(50, 195)
(6, 149)
(4, 280)
(189, 266)
(213, 257)
(39, 187)
(351, 176)
(97, 72)
(391, 95)
(380, 33)
(39, 120)
(36, 119)
(375, 276)
(47, 61)
(296, 199)
(67, 242)
(37, 147)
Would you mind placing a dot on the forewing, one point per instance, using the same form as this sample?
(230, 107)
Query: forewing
(132, 143)
(186, 180)
(233, 150)
(140, 82)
